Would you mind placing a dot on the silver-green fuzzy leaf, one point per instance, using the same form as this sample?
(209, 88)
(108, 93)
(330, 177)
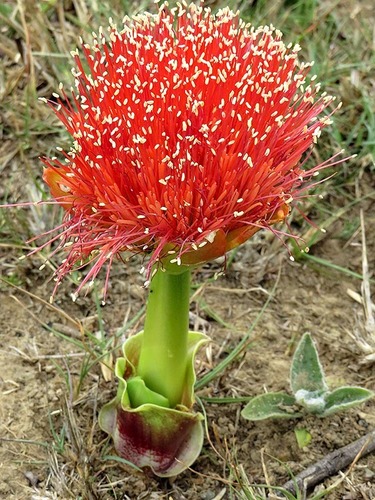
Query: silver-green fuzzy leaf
(306, 372)
(271, 405)
(345, 397)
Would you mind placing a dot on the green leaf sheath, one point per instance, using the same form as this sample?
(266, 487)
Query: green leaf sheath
(164, 351)
(145, 430)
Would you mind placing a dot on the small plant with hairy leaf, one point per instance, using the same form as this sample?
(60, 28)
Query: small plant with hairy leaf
(309, 388)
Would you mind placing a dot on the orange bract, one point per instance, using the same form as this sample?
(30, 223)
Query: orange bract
(189, 129)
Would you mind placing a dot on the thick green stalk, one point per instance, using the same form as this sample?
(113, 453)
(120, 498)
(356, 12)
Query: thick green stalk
(163, 358)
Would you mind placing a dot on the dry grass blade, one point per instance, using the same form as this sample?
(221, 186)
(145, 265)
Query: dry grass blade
(368, 305)
(366, 292)
(365, 336)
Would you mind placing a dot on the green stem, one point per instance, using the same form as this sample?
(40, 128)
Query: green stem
(163, 358)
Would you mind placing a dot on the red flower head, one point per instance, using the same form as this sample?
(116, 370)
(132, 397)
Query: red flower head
(189, 129)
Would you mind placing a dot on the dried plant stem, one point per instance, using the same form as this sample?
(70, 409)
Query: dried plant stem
(331, 464)
(367, 303)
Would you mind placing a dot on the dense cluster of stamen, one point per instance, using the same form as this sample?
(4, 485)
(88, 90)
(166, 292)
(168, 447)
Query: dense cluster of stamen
(184, 123)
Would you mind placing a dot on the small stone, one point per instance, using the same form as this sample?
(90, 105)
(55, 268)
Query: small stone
(32, 478)
(208, 495)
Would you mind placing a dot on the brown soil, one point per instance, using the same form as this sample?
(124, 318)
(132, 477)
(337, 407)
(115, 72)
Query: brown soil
(40, 402)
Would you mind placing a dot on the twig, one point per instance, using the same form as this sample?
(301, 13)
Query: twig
(331, 464)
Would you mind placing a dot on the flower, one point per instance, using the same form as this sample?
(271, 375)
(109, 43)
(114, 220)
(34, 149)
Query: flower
(189, 134)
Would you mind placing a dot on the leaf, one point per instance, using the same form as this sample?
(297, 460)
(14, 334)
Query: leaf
(164, 439)
(345, 397)
(6, 10)
(270, 405)
(306, 371)
(303, 437)
(139, 394)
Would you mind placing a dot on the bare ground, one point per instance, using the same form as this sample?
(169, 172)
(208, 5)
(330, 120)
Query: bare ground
(51, 444)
